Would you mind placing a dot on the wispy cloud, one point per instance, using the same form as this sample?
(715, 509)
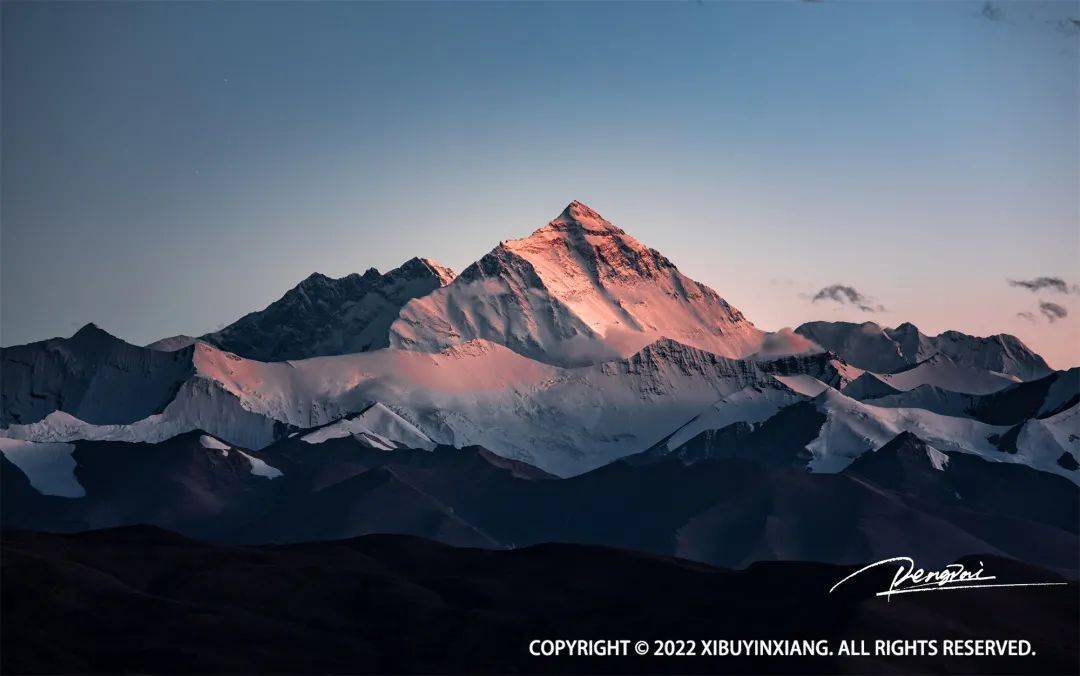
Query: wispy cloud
(847, 295)
(1068, 25)
(1026, 316)
(1052, 311)
(1058, 16)
(993, 12)
(1056, 284)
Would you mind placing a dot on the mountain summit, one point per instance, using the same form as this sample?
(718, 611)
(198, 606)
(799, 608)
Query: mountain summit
(578, 290)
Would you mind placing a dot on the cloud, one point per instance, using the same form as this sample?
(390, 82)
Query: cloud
(1026, 316)
(1068, 25)
(993, 12)
(1055, 16)
(784, 343)
(847, 295)
(1056, 284)
(1052, 311)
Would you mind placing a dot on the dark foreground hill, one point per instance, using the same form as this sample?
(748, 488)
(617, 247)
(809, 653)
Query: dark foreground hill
(139, 599)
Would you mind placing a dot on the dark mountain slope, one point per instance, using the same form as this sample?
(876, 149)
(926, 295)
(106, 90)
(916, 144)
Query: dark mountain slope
(725, 505)
(779, 441)
(1036, 399)
(21, 506)
(144, 600)
(93, 375)
(904, 465)
(325, 316)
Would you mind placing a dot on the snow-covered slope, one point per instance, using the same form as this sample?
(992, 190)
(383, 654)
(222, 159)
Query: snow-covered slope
(577, 291)
(884, 350)
(200, 404)
(563, 420)
(49, 467)
(1049, 443)
(847, 429)
(1064, 391)
(1008, 406)
(252, 403)
(377, 426)
(324, 316)
(853, 428)
(931, 398)
(751, 404)
(807, 386)
(942, 372)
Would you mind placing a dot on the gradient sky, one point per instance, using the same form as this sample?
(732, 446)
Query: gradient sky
(168, 167)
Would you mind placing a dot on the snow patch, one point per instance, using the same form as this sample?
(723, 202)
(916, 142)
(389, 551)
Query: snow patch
(49, 467)
(938, 459)
(1042, 441)
(377, 426)
(260, 467)
(805, 385)
(940, 371)
(208, 441)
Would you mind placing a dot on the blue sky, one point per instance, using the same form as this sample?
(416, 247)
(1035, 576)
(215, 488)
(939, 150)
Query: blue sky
(168, 167)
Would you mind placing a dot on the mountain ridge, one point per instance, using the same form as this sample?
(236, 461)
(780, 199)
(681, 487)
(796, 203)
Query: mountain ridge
(566, 349)
(325, 316)
(883, 350)
(565, 420)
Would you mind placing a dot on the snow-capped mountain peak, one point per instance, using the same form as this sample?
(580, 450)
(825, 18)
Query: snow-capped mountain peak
(580, 246)
(423, 268)
(580, 215)
(578, 290)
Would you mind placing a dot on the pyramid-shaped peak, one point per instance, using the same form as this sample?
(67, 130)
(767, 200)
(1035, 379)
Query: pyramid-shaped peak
(907, 327)
(576, 291)
(577, 211)
(423, 267)
(89, 328)
(580, 217)
(92, 331)
(905, 440)
(909, 444)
